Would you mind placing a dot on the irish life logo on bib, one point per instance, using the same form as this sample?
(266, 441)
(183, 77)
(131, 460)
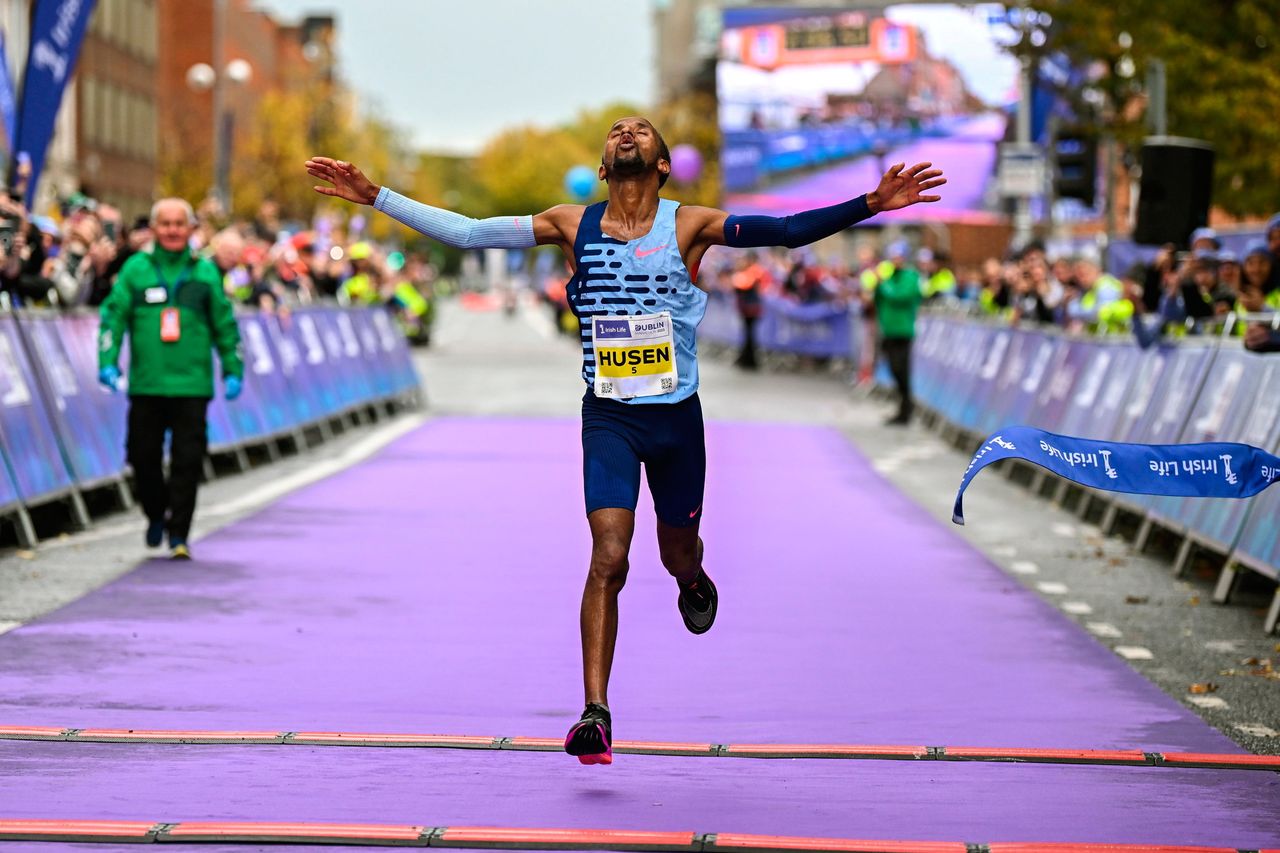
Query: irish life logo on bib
(635, 356)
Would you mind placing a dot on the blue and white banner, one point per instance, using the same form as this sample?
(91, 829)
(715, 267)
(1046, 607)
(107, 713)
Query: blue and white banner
(1210, 470)
(57, 30)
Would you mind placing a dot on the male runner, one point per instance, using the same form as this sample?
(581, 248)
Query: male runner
(635, 261)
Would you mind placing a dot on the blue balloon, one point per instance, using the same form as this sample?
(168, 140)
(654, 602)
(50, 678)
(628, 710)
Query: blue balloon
(580, 181)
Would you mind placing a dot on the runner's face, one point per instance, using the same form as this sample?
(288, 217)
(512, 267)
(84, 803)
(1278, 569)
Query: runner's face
(171, 228)
(631, 147)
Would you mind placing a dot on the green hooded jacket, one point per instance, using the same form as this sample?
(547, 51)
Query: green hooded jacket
(898, 298)
(149, 283)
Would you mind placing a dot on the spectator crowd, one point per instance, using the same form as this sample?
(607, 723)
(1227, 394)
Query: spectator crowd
(266, 264)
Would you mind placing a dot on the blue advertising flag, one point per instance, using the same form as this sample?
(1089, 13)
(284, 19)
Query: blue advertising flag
(8, 103)
(57, 31)
(1209, 470)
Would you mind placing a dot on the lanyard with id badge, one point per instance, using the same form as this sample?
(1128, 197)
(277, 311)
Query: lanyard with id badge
(635, 356)
(170, 317)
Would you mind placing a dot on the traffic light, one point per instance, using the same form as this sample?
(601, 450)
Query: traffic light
(1075, 173)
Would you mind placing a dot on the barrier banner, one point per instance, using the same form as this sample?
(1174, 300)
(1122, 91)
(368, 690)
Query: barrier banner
(1100, 393)
(1211, 470)
(266, 390)
(820, 330)
(342, 352)
(304, 387)
(1217, 415)
(1064, 373)
(396, 349)
(110, 412)
(379, 380)
(29, 445)
(1025, 366)
(978, 364)
(72, 410)
(1254, 419)
(316, 365)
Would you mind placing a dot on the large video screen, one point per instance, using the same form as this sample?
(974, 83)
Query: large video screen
(816, 104)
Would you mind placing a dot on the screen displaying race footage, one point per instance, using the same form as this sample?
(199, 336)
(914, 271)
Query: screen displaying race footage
(815, 104)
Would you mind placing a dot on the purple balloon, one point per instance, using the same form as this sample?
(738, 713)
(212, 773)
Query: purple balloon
(686, 164)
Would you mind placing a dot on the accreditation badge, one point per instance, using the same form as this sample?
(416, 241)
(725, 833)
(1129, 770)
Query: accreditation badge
(170, 325)
(635, 356)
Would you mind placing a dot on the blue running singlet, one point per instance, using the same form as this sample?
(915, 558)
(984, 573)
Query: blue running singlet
(641, 276)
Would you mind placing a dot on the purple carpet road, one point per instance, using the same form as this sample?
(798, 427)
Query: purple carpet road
(434, 589)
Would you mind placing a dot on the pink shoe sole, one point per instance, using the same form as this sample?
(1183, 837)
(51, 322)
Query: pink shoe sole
(605, 757)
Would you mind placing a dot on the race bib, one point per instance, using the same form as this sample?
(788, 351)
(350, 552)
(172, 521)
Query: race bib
(170, 325)
(635, 356)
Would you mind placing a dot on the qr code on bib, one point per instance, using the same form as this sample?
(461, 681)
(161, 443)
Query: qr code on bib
(667, 384)
(606, 387)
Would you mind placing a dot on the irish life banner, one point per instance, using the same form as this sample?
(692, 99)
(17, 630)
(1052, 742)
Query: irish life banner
(1209, 470)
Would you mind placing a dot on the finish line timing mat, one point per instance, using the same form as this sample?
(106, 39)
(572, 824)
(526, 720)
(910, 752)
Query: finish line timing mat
(873, 683)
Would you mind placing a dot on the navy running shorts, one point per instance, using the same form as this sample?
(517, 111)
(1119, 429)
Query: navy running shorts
(666, 437)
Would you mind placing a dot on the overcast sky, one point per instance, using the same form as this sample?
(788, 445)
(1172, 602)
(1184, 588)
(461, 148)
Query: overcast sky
(455, 72)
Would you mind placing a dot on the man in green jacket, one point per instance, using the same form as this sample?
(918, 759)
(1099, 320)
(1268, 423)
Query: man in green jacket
(897, 299)
(172, 305)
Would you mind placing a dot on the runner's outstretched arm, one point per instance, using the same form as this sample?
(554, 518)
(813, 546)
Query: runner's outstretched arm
(452, 229)
(899, 187)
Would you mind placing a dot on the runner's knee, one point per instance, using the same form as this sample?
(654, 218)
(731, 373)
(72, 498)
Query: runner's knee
(609, 562)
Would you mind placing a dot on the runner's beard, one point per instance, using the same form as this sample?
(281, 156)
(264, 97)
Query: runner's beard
(628, 165)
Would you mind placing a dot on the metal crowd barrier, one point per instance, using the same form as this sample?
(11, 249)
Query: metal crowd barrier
(976, 377)
(61, 434)
(821, 329)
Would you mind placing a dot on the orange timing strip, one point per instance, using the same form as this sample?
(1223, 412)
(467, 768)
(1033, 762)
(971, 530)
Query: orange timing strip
(521, 838)
(1115, 757)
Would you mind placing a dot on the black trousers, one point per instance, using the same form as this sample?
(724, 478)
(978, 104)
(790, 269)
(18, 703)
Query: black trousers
(897, 351)
(174, 500)
(747, 356)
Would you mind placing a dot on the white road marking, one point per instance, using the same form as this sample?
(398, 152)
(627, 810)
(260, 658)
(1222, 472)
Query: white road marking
(1229, 647)
(1077, 608)
(1104, 629)
(1052, 588)
(1023, 567)
(272, 490)
(1257, 730)
(1208, 702)
(886, 466)
(1134, 653)
(1063, 530)
(1005, 551)
(357, 452)
(6, 627)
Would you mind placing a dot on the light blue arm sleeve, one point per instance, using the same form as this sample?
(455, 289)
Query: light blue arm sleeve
(454, 229)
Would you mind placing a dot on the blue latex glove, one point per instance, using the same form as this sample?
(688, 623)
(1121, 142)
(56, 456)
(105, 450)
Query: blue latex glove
(109, 377)
(234, 387)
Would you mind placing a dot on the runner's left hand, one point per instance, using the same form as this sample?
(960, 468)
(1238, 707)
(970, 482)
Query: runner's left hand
(901, 187)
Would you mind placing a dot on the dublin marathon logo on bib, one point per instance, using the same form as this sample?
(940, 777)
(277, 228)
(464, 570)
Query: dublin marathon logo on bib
(635, 356)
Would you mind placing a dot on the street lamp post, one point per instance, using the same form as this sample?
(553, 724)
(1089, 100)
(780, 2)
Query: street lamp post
(203, 77)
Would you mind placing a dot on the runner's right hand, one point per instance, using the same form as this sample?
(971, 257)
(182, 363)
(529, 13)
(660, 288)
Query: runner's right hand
(348, 181)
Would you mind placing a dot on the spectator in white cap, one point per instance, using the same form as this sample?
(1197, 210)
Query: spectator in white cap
(1205, 239)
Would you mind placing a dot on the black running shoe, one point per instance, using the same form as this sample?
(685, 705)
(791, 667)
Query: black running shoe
(591, 738)
(697, 603)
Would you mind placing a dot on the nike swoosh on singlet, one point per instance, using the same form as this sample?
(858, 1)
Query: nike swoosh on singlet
(644, 253)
